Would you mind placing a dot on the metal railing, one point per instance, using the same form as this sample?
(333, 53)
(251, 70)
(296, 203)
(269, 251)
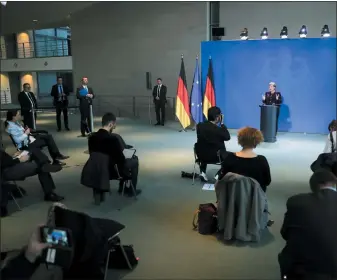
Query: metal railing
(138, 107)
(48, 48)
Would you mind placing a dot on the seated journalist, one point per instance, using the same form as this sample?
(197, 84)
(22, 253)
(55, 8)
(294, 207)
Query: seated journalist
(106, 142)
(331, 141)
(211, 135)
(25, 140)
(25, 264)
(21, 167)
(310, 230)
(247, 162)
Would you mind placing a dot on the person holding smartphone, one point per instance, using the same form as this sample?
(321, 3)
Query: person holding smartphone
(211, 135)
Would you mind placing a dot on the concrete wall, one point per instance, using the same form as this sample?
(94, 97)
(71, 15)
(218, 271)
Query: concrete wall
(37, 64)
(116, 43)
(234, 16)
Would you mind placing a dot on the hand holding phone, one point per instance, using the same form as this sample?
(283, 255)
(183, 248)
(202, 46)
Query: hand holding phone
(35, 246)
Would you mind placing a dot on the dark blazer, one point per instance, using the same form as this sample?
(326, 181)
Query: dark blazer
(25, 103)
(95, 173)
(104, 142)
(162, 94)
(7, 161)
(210, 140)
(310, 231)
(271, 98)
(85, 101)
(55, 93)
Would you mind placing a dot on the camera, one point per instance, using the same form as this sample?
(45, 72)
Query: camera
(61, 250)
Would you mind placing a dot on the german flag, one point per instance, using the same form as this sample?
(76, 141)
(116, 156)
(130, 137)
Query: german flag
(209, 97)
(182, 106)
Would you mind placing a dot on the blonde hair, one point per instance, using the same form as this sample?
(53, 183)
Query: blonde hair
(249, 137)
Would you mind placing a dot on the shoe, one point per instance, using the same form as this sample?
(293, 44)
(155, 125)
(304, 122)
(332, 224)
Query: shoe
(157, 123)
(128, 147)
(53, 197)
(129, 193)
(203, 177)
(4, 212)
(51, 168)
(67, 129)
(58, 163)
(61, 157)
(162, 124)
(270, 223)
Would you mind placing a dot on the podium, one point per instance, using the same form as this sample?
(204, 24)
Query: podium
(268, 123)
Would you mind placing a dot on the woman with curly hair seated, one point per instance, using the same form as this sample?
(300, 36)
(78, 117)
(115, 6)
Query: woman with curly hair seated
(247, 162)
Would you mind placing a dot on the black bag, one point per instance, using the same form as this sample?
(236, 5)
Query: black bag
(117, 258)
(207, 222)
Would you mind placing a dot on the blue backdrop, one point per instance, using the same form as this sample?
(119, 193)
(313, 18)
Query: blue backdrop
(303, 69)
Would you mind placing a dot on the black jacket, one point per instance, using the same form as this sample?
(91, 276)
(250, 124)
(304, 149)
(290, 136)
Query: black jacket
(310, 231)
(84, 101)
(210, 140)
(270, 99)
(55, 93)
(95, 173)
(25, 103)
(162, 94)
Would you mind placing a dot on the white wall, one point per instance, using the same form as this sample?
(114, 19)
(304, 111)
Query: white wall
(37, 64)
(115, 43)
(29, 77)
(234, 16)
(4, 82)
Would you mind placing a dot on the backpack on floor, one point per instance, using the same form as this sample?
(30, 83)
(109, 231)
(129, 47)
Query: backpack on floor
(207, 220)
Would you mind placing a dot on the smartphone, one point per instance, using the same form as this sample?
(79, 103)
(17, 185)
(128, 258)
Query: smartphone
(55, 236)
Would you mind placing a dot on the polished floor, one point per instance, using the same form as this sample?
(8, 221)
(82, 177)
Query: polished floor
(159, 224)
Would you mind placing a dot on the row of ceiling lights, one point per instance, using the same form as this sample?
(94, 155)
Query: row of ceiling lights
(284, 33)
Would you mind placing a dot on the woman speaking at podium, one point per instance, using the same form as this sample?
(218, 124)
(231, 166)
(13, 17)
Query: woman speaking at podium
(272, 97)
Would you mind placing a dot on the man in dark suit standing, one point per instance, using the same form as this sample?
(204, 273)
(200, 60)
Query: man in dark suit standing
(85, 94)
(60, 93)
(310, 231)
(272, 97)
(28, 105)
(159, 100)
(211, 135)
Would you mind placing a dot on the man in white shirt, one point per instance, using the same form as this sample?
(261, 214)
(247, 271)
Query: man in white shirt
(28, 105)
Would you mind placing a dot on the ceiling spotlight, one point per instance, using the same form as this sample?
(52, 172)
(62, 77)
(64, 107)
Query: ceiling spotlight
(264, 33)
(284, 33)
(303, 32)
(325, 31)
(35, 20)
(244, 34)
(4, 3)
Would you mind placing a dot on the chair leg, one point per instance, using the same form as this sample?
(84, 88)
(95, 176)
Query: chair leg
(124, 185)
(133, 190)
(17, 204)
(193, 180)
(125, 256)
(107, 266)
(18, 188)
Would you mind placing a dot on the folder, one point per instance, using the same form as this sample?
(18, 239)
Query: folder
(83, 92)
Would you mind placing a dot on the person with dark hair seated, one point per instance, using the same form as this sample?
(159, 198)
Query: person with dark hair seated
(106, 142)
(25, 140)
(331, 142)
(20, 167)
(310, 230)
(211, 135)
(246, 162)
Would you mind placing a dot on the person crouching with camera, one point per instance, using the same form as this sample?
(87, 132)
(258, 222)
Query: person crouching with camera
(211, 135)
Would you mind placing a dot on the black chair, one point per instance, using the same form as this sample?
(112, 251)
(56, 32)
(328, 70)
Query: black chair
(125, 178)
(197, 160)
(10, 191)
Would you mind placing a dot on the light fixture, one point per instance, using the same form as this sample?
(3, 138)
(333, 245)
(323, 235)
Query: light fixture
(325, 31)
(4, 3)
(244, 34)
(284, 33)
(35, 20)
(303, 32)
(264, 33)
